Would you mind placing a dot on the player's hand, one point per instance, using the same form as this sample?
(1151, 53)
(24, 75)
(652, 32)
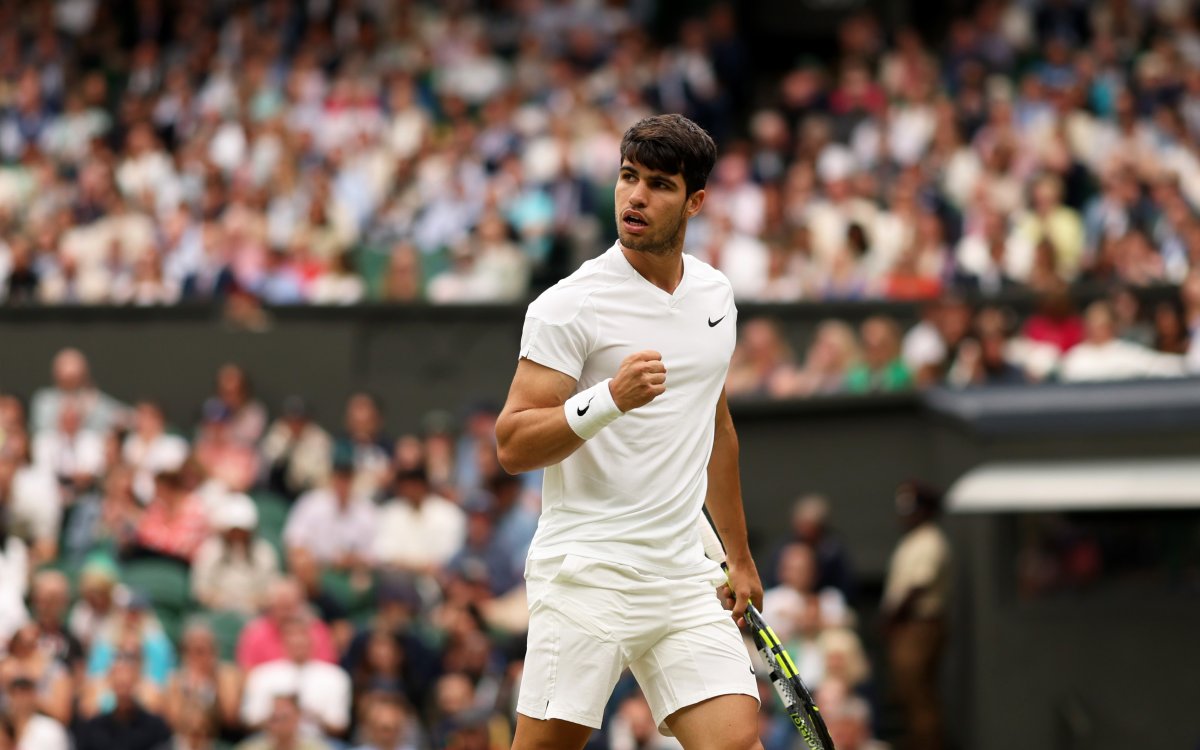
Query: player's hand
(744, 586)
(640, 379)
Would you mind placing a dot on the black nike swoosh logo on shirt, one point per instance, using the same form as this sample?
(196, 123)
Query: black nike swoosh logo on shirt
(712, 323)
(583, 411)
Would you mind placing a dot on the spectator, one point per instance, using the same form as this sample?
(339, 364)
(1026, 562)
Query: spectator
(929, 346)
(203, 684)
(150, 449)
(32, 507)
(297, 451)
(1055, 322)
(397, 612)
(14, 571)
(233, 569)
(48, 600)
(832, 353)
(73, 455)
(881, 368)
(324, 604)
(51, 680)
(417, 531)
(849, 724)
(389, 726)
(247, 417)
(132, 632)
(810, 526)
(231, 464)
(108, 521)
(383, 663)
(31, 727)
(96, 603)
(283, 730)
(1102, 356)
(330, 522)
(514, 525)
(915, 599)
(261, 640)
(322, 689)
(762, 361)
(72, 382)
(367, 445)
(982, 359)
(174, 524)
(1170, 335)
(127, 724)
(797, 575)
(191, 730)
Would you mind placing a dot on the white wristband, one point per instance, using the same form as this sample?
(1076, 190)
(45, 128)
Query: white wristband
(591, 410)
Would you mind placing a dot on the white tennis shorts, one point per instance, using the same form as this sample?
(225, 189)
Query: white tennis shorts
(590, 619)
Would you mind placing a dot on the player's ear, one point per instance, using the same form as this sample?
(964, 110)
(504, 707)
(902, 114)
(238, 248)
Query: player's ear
(694, 202)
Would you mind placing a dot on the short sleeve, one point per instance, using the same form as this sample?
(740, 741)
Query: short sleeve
(562, 344)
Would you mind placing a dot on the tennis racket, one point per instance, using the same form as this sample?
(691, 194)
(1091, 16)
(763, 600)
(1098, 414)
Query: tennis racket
(797, 701)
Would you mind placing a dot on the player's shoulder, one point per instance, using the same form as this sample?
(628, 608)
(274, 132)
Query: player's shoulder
(564, 301)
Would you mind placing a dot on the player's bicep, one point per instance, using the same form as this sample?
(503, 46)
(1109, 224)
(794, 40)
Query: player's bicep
(537, 386)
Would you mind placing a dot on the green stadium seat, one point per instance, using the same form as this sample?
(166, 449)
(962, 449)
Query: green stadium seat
(272, 511)
(357, 601)
(227, 626)
(165, 583)
(272, 517)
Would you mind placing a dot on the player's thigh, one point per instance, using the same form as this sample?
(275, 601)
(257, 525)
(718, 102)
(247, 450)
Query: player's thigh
(693, 666)
(572, 661)
(549, 734)
(726, 722)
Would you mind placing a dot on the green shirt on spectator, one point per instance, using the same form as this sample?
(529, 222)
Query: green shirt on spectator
(893, 377)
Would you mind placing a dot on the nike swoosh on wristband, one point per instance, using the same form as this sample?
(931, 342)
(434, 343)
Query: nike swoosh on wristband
(583, 411)
(712, 323)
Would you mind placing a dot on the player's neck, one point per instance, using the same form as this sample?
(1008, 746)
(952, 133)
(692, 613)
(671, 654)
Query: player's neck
(663, 270)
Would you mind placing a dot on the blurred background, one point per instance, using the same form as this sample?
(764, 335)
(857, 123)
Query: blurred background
(263, 267)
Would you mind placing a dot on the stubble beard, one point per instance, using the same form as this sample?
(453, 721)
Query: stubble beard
(659, 245)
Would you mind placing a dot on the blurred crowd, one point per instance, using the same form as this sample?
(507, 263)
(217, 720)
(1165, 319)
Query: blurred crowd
(337, 151)
(957, 344)
(259, 581)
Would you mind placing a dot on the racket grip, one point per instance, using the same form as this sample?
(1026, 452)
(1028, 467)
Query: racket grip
(713, 548)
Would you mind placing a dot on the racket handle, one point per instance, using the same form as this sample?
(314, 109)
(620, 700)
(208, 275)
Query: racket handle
(713, 548)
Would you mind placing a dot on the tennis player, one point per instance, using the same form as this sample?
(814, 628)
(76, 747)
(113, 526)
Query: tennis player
(619, 393)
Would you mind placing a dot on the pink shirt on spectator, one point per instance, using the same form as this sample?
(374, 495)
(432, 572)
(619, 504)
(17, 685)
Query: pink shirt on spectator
(178, 534)
(262, 642)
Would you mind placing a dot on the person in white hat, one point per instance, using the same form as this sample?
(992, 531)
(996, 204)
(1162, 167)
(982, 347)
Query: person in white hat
(233, 567)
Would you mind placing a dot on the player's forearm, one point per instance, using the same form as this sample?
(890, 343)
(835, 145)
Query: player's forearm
(534, 438)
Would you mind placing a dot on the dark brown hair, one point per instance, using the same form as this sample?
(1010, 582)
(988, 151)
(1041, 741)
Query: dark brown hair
(672, 144)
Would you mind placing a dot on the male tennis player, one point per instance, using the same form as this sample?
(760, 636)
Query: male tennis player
(619, 393)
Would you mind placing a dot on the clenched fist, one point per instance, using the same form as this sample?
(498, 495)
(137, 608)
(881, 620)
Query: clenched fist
(640, 379)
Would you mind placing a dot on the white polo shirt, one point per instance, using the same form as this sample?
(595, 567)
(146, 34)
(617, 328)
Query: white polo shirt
(633, 492)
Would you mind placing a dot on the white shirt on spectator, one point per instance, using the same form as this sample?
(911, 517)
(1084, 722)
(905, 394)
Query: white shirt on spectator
(783, 607)
(67, 455)
(318, 524)
(43, 733)
(428, 535)
(14, 580)
(322, 689)
(1118, 360)
(35, 505)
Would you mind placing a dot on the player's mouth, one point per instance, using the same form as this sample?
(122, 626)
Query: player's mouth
(634, 222)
